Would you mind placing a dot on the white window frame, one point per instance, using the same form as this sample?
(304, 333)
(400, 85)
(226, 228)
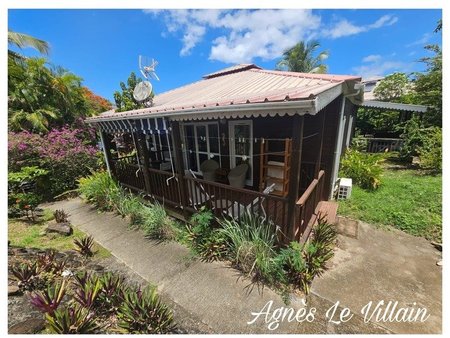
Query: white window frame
(233, 156)
(197, 152)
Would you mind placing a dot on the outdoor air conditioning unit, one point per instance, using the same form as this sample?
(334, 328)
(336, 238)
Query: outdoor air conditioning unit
(345, 188)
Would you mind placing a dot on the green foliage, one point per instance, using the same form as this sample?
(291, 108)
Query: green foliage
(49, 300)
(301, 58)
(125, 100)
(143, 312)
(364, 169)
(72, 320)
(24, 204)
(84, 246)
(26, 174)
(408, 200)
(26, 274)
(423, 142)
(250, 244)
(87, 290)
(112, 292)
(207, 242)
(428, 87)
(299, 265)
(156, 223)
(393, 88)
(430, 152)
(100, 189)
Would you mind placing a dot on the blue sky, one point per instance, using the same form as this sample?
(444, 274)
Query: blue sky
(102, 46)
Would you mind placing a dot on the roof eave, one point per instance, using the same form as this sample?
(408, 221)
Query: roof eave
(300, 107)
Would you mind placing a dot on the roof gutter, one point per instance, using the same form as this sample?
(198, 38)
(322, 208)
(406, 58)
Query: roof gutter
(306, 106)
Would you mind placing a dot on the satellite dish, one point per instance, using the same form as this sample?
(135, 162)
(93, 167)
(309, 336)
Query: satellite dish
(142, 91)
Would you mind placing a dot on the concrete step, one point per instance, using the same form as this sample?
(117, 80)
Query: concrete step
(328, 209)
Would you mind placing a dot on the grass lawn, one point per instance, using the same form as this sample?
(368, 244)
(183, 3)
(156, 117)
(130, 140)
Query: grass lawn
(408, 200)
(32, 235)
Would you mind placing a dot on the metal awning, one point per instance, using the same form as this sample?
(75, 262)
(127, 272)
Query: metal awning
(415, 108)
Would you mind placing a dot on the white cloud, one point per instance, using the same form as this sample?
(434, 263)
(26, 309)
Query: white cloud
(422, 41)
(371, 58)
(242, 35)
(376, 65)
(346, 28)
(245, 34)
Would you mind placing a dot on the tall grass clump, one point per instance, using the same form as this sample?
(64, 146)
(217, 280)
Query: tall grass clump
(155, 222)
(250, 244)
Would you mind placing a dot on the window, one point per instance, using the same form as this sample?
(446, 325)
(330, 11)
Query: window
(201, 142)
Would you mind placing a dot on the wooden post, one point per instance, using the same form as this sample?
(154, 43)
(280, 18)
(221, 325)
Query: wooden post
(319, 154)
(294, 174)
(106, 144)
(179, 164)
(143, 154)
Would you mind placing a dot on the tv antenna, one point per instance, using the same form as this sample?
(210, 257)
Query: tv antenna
(143, 91)
(147, 67)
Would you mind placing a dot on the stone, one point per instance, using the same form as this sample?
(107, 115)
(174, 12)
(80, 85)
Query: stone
(60, 228)
(13, 290)
(28, 326)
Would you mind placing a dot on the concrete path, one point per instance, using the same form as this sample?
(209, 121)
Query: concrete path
(213, 295)
(386, 266)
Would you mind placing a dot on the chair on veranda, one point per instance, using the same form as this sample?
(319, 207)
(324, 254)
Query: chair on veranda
(198, 196)
(237, 210)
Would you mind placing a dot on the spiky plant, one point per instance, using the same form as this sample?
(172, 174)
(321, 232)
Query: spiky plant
(72, 320)
(84, 246)
(26, 274)
(48, 300)
(61, 216)
(143, 312)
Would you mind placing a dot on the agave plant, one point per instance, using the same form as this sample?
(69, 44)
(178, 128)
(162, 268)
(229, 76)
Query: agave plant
(26, 274)
(84, 246)
(72, 320)
(48, 300)
(143, 312)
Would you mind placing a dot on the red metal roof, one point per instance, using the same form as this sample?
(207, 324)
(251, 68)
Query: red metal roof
(240, 84)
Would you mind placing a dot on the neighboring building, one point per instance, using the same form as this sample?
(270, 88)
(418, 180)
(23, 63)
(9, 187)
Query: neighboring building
(280, 133)
(369, 86)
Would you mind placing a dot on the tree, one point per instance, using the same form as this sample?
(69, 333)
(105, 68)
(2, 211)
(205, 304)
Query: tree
(96, 104)
(394, 88)
(300, 58)
(125, 100)
(21, 40)
(41, 97)
(428, 87)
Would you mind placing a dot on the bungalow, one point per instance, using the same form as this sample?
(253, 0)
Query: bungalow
(243, 138)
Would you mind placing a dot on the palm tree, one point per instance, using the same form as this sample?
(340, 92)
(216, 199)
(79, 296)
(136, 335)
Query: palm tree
(22, 41)
(300, 58)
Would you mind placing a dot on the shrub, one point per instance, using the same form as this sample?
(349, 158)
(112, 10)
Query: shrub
(206, 241)
(364, 169)
(72, 320)
(26, 204)
(143, 312)
(64, 153)
(289, 265)
(250, 244)
(430, 152)
(100, 189)
(84, 246)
